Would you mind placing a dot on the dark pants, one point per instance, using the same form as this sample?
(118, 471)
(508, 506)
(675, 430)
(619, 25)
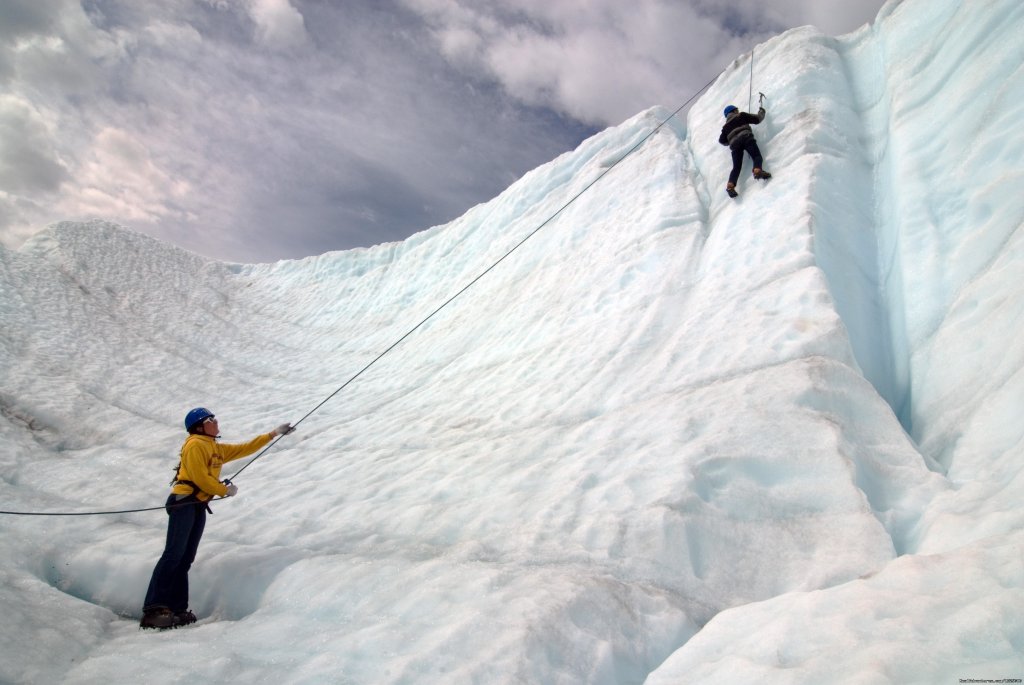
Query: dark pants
(169, 585)
(750, 147)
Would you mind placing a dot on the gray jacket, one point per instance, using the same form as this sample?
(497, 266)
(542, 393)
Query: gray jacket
(737, 127)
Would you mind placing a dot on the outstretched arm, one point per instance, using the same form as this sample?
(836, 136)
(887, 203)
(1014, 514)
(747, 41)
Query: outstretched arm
(230, 452)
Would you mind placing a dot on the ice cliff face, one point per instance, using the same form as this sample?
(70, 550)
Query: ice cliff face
(674, 437)
(909, 147)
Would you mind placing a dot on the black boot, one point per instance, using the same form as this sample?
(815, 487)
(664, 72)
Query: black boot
(160, 618)
(185, 618)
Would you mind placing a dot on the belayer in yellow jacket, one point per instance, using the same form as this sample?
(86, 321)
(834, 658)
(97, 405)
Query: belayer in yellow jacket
(201, 460)
(197, 481)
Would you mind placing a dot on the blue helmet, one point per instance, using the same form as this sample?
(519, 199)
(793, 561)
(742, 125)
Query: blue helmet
(729, 110)
(195, 416)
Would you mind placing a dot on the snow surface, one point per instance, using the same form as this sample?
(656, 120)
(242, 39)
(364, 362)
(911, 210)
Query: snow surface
(673, 438)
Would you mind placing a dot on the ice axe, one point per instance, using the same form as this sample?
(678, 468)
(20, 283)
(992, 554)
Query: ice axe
(760, 98)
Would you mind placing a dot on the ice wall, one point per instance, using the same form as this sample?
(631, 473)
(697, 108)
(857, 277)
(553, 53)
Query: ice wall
(919, 235)
(908, 145)
(938, 91)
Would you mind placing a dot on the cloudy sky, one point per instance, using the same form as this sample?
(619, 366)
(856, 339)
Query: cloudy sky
(258, 130)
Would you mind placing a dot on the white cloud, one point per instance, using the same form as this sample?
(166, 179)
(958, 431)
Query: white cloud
(120, 180)
(32, 172)
(29, 161)
(177, 36)
(459, 43)
(278, 23)
(601, 61)
(597, 61)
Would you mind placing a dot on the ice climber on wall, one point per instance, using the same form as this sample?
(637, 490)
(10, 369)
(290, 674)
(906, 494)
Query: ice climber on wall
(196, 482)
(738, 136)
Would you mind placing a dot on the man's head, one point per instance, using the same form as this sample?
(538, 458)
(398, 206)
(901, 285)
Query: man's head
(197, 420)
(729, 110)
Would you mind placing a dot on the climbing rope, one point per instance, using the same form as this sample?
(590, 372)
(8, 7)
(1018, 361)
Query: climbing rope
(750, 94)
(411, 330)
(105, 513)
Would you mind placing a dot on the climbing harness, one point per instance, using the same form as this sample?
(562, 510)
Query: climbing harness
(412, 330)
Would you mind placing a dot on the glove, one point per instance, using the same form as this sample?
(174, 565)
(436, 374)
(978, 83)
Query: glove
(232, 490)
(284, 429)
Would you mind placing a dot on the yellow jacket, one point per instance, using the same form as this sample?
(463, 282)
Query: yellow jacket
(201, 459)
